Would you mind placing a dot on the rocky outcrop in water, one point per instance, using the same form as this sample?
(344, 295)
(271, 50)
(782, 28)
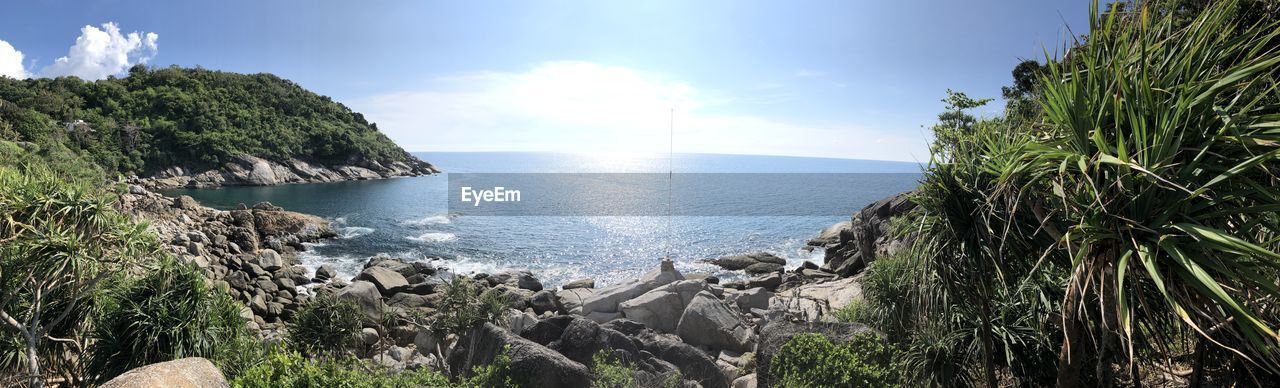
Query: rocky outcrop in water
(853, 245)
(246, 170)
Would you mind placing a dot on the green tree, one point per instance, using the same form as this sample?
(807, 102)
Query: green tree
(59, 243)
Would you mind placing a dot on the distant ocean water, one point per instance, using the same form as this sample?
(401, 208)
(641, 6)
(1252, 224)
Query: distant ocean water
(410, 217)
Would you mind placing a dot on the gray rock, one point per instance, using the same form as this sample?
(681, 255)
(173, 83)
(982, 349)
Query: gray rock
(185, 372)
(518, 320)
(516, 298)
(185, 202)
(571, 299)
(391, 263)
(579, 283)
(748, 381)
(520, 279)
(369, 336)
(325, 272)
(606, 300)
(544, 301)
(258, 304)
(818, 301)
(388, 282)
(708, 321)
(693, 363)
(365, 295)
(531, 364)
(740, 262)
(759, 268)
(270, 260)
(752, 298)
(408, 300)
(602, 317)
(661, 308)
(768, 282)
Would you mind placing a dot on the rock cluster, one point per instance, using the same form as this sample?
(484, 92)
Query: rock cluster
(754, 263)
(245, 170)
(852, 245)
(250, 253)
(662, 324)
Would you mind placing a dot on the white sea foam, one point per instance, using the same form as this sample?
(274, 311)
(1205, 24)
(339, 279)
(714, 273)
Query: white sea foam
(428, 220)
(353, 231)
(431, 237)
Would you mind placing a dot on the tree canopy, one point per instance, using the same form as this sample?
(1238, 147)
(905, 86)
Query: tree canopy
(156, 118)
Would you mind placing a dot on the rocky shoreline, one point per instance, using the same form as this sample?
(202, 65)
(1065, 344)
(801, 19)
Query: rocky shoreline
(664, 323)
(246, 170)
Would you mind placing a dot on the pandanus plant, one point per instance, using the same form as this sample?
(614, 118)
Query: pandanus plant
(1160, 144)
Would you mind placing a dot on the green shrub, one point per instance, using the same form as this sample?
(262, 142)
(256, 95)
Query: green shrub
(61, 243)
(464, 306)
(283, 369)
(327, 324)
(610, 372)
(812, 360)
(167, 314)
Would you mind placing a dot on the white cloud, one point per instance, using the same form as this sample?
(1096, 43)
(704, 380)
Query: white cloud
(11, 62)
(589, 107)
(99, 53)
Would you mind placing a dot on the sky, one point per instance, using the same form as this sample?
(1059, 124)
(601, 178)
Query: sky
(844, 79)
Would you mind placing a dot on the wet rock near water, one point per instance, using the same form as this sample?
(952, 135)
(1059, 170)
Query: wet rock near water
(245, 170)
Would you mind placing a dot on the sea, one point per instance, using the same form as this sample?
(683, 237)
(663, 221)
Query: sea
(778, 204)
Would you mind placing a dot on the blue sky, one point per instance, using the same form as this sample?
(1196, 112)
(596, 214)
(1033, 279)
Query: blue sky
(808, 78)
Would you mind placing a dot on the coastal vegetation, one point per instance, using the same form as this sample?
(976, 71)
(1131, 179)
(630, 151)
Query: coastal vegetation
(157, 118)
(1117, 225)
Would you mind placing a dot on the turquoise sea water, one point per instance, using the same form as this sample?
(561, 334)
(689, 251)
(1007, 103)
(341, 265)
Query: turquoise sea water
(410, 217)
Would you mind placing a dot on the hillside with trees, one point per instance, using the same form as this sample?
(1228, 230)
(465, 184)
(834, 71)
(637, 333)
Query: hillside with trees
(198, 119)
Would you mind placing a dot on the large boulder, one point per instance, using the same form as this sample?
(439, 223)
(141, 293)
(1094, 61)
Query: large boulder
(579, 283)
(365, 295)
(752, 298)
(606, 300)
(662, 307)
(270, 260)
(754, 263)
(278, 224)
(654, 356)
(710, 322)
(519, 279)
(192, 372)
(388, 282)
(818, 301)
(866, 237)
(571, 299)
(531, 364)
(394, 264)
(694, 364)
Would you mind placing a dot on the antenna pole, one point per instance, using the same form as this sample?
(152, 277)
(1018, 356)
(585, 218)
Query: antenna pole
(671, 140)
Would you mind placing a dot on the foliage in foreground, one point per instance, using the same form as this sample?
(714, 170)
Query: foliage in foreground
(282, 368)
(1123, 226)
(610, 371)
(168, 314)
(327, 324)
(813, 360)
(61, 242)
